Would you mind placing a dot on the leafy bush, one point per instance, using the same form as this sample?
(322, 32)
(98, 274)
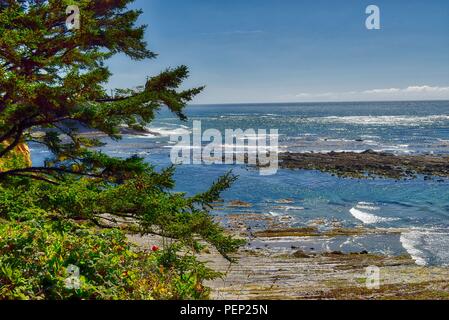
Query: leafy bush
(46, 228)
(35, 257)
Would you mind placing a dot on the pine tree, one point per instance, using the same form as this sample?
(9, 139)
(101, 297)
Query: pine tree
(52, 83)
(53, 78)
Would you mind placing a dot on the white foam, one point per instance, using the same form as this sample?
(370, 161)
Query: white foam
(367, 207)
(401, 120)
(365, 216)
(236, 149)
(326, 145)
(410, 241)
(427, 245)
(156, 132)
(288, 208)
(258, 137)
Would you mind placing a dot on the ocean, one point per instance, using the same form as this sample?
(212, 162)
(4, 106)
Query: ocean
(418, 208)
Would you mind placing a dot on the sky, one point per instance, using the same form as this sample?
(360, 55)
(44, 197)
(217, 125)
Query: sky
(255, 51)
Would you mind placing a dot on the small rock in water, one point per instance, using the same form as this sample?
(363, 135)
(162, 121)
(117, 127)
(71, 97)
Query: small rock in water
(285, 201)
(337, 253)
(239, 204)
(285, 219)
(300, 254)
(317, 222)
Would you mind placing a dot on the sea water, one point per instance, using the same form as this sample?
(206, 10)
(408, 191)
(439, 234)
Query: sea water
(419, 207)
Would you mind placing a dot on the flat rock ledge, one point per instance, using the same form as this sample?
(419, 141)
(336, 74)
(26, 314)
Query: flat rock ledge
(266, 274)
(369, 164)
(330, 276)
(261, 273)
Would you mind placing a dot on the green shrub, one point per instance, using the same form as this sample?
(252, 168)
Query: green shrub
(46, 228)
(35, 257)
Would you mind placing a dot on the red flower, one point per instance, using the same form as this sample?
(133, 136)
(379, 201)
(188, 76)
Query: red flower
(154, 248)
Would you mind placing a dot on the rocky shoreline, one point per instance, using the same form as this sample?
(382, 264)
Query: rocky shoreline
(369, 164)
(264, 273)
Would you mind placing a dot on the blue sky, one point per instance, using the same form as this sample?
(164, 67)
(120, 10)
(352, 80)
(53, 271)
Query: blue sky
(297, 50)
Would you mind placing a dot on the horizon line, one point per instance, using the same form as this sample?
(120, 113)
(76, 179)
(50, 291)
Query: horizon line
(305, 102)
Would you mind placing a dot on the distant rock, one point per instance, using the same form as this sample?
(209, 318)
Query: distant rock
(369, 164)
(239, 204)
(285, 201)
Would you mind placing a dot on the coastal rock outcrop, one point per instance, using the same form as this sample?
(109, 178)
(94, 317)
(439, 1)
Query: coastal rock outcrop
(368, 164)
(19, 157)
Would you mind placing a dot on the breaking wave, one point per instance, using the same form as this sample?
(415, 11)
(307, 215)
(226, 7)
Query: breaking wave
(364, 212)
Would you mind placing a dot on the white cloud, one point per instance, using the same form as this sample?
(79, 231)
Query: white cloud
(412, 92)
(375, 91)
(315, 95)
(427, 89)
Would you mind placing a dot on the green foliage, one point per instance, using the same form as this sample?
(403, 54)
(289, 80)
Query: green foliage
(142, 205)
(76, 208)
(35, 257)
(51, 80)
(44, 228)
